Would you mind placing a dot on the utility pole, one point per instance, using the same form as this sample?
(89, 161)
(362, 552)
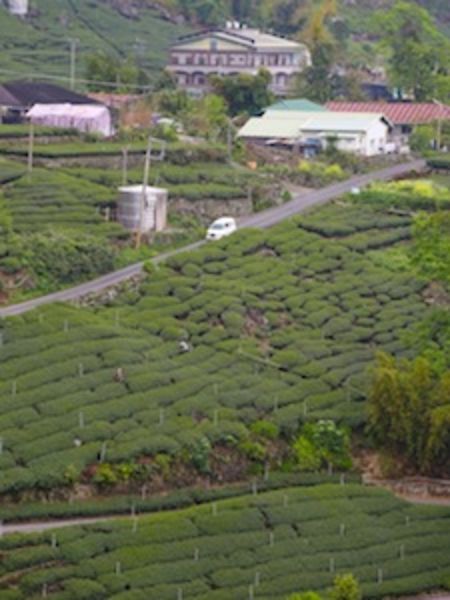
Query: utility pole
(125, 150)
(73, 61)
(229, 141)
(30, 148)
(439, 125)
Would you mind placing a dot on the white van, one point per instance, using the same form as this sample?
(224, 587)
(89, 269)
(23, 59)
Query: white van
(221, 228)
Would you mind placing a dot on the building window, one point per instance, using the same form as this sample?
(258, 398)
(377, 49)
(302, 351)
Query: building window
(213, 46)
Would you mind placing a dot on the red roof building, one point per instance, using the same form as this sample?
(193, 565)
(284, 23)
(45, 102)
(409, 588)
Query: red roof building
(399, 113)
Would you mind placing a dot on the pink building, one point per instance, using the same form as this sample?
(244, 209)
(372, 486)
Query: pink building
(236, 50)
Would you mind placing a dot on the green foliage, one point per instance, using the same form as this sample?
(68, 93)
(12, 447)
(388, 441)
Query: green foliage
(244, 93)
(408, 412)
(265, 429)
(345, 587)
(113, 29)
(282, 325)
(306, 454)
(288, 536)
(60, 258)
(321, 444)
(409, 194)
(304, 596)
(102, 67)
(105, 476)
(432, 246)
(199, 455)
(422, 138)
(418, 51)
(318, 174)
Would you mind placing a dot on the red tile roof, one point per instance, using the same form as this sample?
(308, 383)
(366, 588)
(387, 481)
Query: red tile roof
(399, 113)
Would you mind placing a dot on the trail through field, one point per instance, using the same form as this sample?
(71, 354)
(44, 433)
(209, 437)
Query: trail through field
(39, 526)
(264, 219)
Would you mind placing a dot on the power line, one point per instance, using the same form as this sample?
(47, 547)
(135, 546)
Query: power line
(73, 61)
(111, 84)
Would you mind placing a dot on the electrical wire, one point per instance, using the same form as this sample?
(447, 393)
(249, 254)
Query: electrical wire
(111, 84)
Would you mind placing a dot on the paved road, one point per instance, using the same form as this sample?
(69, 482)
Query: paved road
(264, 219)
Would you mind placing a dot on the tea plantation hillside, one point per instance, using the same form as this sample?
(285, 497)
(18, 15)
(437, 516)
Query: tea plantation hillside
(40, 44)
(266, 546)
(64, 212)
(282, 325)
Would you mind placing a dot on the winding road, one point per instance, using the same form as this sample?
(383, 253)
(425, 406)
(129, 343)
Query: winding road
(264, 219)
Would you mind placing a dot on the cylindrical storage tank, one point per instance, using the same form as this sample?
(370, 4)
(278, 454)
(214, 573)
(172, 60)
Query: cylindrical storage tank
(131, 199)
(18, 7)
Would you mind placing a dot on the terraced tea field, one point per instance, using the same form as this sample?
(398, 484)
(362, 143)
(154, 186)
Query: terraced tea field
(282, 326)
(39, 45)
(52, 199)
(265, 546)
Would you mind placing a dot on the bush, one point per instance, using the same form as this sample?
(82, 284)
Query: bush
(265, 429)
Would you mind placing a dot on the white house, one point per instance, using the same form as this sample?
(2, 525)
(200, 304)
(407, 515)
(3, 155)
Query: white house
(365, 134)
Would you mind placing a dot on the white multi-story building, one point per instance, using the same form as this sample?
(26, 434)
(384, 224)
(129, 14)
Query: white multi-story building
(234, 50)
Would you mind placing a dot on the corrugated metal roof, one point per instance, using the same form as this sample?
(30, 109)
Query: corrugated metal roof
(290, 124)
(342, 121)
(298, 104)
(399, 113)
(26, 93)
(259, 127)
(253, 38)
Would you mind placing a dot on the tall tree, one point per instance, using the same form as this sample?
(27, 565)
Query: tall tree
(419, 53)
(316, 82)
(244, 93)
(432, 246)
(409, 411)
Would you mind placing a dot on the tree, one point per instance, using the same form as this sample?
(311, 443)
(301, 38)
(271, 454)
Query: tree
(432, 246)
(304, 596)
(61, 258)
(315, 82)
(408, 411)
(244, 93)
(321, 444)
(418, 61)
(345, 587)
(208, 117)
(172, 102)
(103, 69)
(5, 219)
(319, 82)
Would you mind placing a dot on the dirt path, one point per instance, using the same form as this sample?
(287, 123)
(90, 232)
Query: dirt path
(39, 526)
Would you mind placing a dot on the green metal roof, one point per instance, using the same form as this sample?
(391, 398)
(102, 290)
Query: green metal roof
(291, 124)
(298, 104)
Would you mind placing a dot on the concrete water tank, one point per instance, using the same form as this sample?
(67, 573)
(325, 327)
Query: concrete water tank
(154, 209)
(18, 7)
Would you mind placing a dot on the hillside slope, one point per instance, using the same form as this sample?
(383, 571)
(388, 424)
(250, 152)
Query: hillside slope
(141, 29)
(41, 44)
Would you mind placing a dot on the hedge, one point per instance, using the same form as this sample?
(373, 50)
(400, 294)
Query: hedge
(279, 325)
(295, 539)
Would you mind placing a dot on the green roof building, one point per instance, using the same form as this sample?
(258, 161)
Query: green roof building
(299, 105)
